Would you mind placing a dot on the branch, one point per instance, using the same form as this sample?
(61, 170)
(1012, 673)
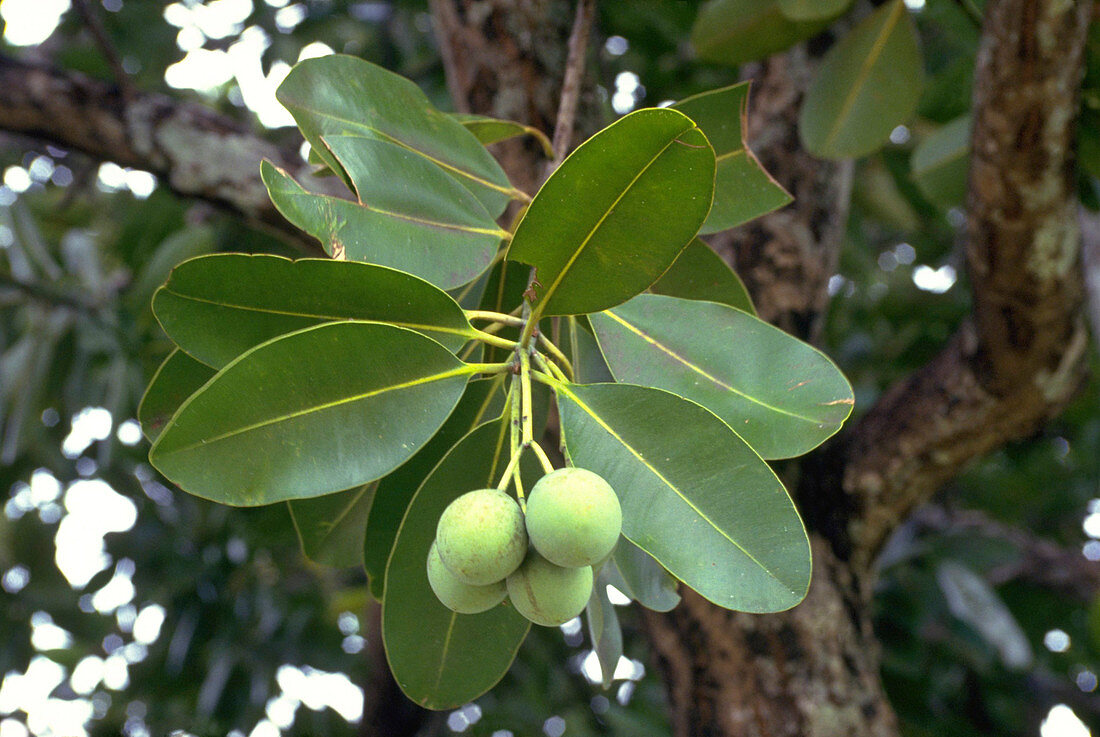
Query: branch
(190, 148)
(1021, 355)
(1042, 562)
(571, 83)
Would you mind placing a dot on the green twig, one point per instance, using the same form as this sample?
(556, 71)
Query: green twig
(495, 340)
(525, 396)
(556, 353)
(547, 466)
(499, 317)
(549, 367)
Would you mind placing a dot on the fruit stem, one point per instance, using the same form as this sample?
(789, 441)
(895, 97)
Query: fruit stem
(544, 460)
(525, 396)
(506, 477)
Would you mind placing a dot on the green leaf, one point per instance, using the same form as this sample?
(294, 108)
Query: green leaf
(493, 130)
(868, 84)
(735, 31)
(330, 527)
(310, 413)
(339, 95)
(700, 273)
(781, 395)
(584, 352)
(604, 630)
(445, 254)
(617, 212)
(178, 377)
(636, 574)
(694, 495)
(813, 9)
(441, 659)
(743, 190)
(252, 299)
(940, 163)
(483, 400)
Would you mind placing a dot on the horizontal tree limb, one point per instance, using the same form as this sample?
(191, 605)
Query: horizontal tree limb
(194, 150)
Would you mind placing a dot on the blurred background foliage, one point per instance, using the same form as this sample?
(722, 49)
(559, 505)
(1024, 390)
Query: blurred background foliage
(129, 608)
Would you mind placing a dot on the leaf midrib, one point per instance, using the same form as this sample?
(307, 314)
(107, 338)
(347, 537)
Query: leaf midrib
(715, 380)
(464, 369)
(549, 293)
(864, 72)
(467, 332)
(608, 429)
(303, 192)
(387, 137)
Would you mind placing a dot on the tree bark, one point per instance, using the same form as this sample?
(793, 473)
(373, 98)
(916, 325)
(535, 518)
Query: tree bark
(190, 148)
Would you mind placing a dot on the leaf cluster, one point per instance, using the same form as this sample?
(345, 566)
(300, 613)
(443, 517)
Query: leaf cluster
(371, 389)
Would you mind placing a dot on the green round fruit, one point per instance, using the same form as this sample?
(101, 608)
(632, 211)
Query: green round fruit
(461, 597)
(573, 517)
(548, 594)
(481, 537)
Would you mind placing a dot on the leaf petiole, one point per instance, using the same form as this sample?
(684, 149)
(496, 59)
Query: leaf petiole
(489, 368)
(544, 460)
(500, 317)
(556, 353)
(494, 340)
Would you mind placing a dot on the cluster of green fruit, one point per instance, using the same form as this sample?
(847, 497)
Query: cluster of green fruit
(486, 548)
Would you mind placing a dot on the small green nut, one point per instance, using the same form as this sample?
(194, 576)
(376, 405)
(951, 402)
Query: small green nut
(548, 594)
(481, 537)
(461, 597)
(573, 517)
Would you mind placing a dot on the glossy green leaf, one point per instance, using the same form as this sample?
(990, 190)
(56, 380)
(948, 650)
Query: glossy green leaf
(311, 413)
(783, 396)
(617, 212)
(694, 495)
(604, 630)
(812, 9)
(331, 527)
(743, 190)
(940, 163)
(735, 31)
(493, 130)
(868, 84)
(588, 364)
(700, 273)
(482, 401)
(636, 574)
(252, 299)
(178, 377)
(339, 95)
(441, 659)
(447, 254)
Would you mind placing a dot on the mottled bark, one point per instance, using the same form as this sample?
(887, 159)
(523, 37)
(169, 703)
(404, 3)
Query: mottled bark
(190, 148)
(1021, 355)
(786, 257)
(808, 672)
(506, 58)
